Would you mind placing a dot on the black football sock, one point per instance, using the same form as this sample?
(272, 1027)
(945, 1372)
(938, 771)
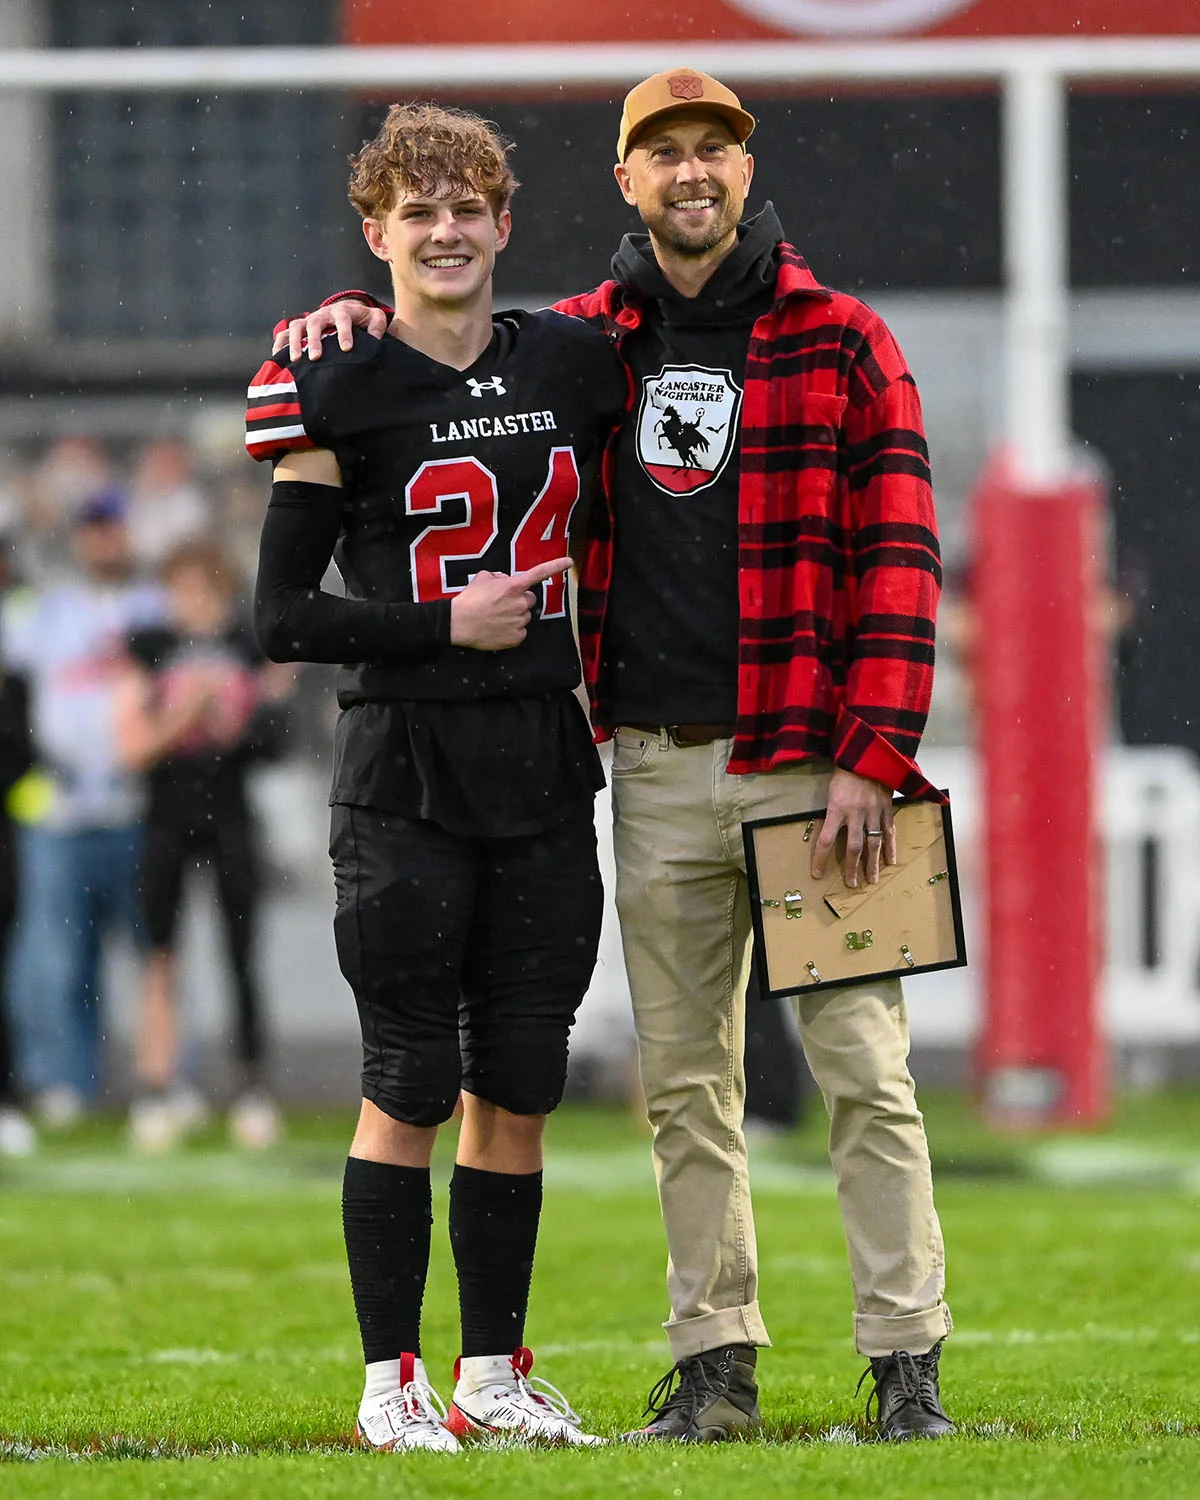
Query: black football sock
(493, 1233)
(386, 1215)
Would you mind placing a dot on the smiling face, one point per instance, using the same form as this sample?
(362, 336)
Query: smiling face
(441, 247)
(688, 177)
(433, 189)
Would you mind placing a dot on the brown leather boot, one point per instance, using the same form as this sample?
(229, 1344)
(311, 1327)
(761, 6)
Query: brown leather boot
(704, 1399)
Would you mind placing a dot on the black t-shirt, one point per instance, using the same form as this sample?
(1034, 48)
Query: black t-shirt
(16, 757)
(672, 622)
(205, 773)
(445, 473)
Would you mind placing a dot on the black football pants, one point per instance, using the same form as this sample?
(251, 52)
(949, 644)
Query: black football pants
(468, 958)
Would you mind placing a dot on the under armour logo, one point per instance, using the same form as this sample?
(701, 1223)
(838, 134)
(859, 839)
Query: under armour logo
(495, 385)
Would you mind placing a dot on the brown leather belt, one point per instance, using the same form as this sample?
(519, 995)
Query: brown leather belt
(686, 735)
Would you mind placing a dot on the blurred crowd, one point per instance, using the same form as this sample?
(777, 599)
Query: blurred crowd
(171, 496)
(134, 703)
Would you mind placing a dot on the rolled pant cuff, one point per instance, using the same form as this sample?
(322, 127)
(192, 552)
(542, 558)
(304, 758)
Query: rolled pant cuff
(916, 1332)
(730, 1325)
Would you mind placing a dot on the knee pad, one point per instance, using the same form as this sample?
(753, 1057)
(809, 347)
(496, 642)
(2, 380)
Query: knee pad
(523, 1072)
(417, 1085)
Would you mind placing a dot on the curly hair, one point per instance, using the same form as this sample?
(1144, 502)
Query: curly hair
(424, 148)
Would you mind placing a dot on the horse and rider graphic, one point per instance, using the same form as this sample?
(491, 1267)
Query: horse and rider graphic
(685, 437)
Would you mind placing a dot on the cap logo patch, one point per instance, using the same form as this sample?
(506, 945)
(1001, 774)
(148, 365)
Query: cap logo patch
(684, 86)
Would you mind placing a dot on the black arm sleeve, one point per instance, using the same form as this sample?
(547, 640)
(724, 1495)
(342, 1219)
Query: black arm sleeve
(296, 621)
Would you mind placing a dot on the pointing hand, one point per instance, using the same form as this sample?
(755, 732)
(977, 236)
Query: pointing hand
(494, 610)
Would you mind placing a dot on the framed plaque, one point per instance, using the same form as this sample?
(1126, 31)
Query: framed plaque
(817, 935)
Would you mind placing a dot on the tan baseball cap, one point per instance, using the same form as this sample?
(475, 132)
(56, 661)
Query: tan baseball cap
(679, 88)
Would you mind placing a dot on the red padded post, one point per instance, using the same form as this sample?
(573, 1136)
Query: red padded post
(1039, 573)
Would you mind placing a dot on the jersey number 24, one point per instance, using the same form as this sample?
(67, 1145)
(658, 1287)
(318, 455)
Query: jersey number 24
(540, 536)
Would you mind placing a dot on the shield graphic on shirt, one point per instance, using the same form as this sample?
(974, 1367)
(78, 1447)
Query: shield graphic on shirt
(687, 423)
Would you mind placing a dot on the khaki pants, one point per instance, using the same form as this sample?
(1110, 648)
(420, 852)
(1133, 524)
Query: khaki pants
(685, 926)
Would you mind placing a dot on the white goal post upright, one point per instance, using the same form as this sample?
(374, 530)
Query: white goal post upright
(1034, 217)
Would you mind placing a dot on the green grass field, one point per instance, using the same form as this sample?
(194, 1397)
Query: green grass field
(183, 1327)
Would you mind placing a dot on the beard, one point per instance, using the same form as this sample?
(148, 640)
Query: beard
(670, 230)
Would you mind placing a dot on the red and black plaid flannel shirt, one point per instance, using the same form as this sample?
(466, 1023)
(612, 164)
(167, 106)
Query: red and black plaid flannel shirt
(838, 565)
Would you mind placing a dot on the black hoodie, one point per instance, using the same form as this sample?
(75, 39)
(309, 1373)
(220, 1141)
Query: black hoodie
(671, 630)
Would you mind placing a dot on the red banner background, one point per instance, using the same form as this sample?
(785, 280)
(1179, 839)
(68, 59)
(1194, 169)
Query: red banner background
(401, 21)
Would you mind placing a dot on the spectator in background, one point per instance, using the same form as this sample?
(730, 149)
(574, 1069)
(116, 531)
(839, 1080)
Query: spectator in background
(71, 470)
(167, 505)
(79, 849)
(195, 708)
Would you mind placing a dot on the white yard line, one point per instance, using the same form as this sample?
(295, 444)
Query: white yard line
(1090, 1333)
(625, 1169)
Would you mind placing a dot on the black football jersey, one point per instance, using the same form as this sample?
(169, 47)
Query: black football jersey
(448, 472)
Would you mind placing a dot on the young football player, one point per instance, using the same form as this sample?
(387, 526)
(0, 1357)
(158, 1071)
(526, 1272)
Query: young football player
(443, 464)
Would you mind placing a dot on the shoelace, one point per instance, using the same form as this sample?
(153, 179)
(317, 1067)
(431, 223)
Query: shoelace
(696, 1379)
(547, 1395)
(915, 1376)
(417, 1402)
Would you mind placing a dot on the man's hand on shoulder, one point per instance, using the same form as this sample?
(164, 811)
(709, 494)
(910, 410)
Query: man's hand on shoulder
(345, 316)
(864, 809)
(493, 612)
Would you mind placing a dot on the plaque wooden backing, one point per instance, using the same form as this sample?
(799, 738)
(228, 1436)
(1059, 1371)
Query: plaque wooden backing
(818, 935)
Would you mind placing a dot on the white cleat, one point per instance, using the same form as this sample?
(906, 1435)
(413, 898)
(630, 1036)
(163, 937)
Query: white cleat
(17, 1135)
(59, 1107)
(160, 1122)
(255, 1122)
(410, 1417)
(512, 1407)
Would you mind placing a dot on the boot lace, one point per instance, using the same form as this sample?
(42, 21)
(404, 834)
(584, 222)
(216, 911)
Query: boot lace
(685, 1385)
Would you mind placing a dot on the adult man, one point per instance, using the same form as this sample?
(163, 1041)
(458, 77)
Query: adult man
(440, 461)
(756, 618)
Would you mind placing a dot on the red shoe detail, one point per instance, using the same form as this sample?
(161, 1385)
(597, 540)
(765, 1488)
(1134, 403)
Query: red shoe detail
(522, 1360)
(457, 1421)
(457, 1368)
(408, 1369)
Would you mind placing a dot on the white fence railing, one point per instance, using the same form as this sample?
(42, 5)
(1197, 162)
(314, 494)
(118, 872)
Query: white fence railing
(1149, 814)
